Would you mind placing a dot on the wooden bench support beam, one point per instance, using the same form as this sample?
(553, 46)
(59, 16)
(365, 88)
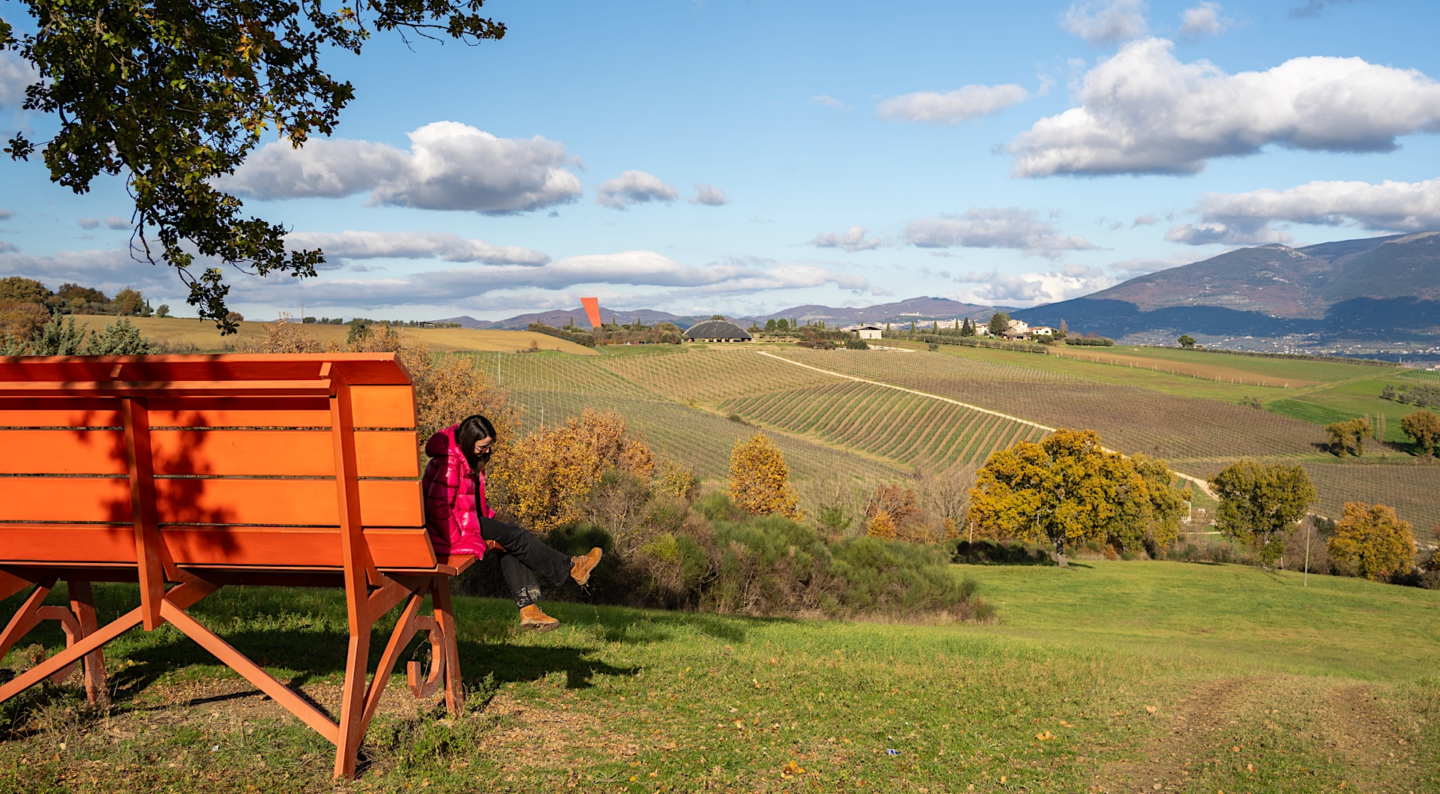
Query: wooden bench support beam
(182, 596)
(78, 623)
(26, 618)
(82, 603)
(225, 652)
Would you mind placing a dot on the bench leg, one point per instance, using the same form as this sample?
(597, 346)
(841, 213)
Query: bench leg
(82, 603)
(181, 597)
(445, 617)
(352, 704)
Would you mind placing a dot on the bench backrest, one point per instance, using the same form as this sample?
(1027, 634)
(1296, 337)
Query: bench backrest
(236, 455)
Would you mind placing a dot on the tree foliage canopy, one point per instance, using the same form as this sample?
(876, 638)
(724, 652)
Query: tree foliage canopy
(1371, 541)
(1068, 489)
(174, 95)
(1261, 504)
(760, 479)
(1424, 428)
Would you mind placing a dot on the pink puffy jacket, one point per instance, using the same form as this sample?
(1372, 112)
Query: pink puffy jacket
(451, 498)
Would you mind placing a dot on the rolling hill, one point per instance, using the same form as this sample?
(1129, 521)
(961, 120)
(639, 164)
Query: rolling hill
(1375, 288)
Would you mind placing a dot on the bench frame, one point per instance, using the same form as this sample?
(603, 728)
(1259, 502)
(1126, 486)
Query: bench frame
(370, 592)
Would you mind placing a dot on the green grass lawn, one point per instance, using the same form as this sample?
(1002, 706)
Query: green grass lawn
(1108, 676)
(1347, 401)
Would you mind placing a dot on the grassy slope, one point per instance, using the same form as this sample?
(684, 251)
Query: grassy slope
(1200, 677)
(1347, 401)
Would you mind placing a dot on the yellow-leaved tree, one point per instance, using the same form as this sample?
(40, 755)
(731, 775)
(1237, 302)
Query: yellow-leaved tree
(1371, 541)
(1069, 489)
(544, 476)
(760, 479)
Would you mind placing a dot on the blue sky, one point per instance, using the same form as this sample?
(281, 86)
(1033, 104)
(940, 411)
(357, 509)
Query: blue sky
(719, 156)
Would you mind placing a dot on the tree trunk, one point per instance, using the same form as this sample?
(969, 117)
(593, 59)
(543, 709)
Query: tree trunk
(1060, 553)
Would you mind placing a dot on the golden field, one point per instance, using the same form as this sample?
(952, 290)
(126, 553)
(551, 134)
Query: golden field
(174, 331)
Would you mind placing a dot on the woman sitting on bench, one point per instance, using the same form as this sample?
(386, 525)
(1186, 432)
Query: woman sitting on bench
(461, 522)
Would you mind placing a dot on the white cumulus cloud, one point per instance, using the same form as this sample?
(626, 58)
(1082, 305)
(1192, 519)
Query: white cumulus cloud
(1033, 289)
(994, 227)
(1143, 111)
(709, 195)
(476, 285)
(1106, 21)
(413, 245)
(1203, 20)
(450, 166)
(16, 75)
(852, 240)
(1246, 218)
(953, 107)
(634, 187)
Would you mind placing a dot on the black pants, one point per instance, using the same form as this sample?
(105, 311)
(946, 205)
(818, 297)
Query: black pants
(524, 556)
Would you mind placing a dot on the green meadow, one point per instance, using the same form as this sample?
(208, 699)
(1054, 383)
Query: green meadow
(1108, 676)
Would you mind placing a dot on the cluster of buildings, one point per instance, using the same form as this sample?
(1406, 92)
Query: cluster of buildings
(726, 331)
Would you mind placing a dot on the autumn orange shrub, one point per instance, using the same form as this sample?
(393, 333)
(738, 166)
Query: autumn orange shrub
(760, 479)
(285, 336)
(21, 319)
(881, 526)
(544, 476)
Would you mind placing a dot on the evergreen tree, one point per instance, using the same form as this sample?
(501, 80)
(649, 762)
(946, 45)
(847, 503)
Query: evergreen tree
(120, 338)
(58, 339)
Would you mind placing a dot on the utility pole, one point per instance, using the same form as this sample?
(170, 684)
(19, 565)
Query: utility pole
(1309, 528)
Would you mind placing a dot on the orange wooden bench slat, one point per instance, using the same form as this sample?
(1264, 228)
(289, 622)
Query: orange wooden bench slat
(359, 368)
(100, 544)
(306, 453)
(388, 407)
(383, 503)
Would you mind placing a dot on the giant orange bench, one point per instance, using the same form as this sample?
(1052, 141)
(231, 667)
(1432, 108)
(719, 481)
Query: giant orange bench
(188, 473)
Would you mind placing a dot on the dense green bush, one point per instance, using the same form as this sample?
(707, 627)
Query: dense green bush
(716, 557)
(1000, 552)
(1089, 341)
(576, 335)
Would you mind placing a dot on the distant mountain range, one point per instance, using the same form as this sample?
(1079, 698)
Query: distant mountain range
(915, 309)
(1371, 289)
(1378, 288)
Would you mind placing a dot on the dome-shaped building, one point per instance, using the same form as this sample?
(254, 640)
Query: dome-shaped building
(717, 331)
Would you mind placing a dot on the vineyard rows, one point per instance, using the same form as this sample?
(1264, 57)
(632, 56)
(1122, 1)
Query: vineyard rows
(699, 440)
(678, 400)
(1128, 419)
(925, 433)
(1410, 489)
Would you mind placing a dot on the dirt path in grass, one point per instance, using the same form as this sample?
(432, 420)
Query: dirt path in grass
(1277, 733)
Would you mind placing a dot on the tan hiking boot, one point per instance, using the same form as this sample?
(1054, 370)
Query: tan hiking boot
(532, 617)
(580, 567)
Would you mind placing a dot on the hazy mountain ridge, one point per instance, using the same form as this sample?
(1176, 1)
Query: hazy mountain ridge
(1380, 288)
(921, 309)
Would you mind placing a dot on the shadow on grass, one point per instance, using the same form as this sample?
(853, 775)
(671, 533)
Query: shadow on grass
(300, 636)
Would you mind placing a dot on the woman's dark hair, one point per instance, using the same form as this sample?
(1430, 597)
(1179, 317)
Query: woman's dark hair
(472, 429)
